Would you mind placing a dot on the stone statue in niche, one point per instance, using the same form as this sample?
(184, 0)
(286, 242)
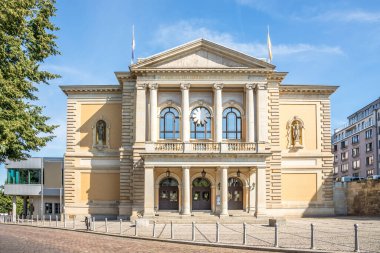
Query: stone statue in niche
(295, 127)
(296, 133)
(101, 133)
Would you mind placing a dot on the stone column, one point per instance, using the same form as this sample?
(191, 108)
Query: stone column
(149, 191)
(14, 208)
(185, 112)
(262, 112)
(218, 107)
(224, 190)
(250, 118)
(153, 111)
(261, 203)
(186, 190)
(140, 112)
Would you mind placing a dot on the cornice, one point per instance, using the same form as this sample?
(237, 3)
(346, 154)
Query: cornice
(70, 89)
(203, 70)
(308, 89)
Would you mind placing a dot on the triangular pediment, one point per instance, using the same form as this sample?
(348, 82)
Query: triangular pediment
(201, 54)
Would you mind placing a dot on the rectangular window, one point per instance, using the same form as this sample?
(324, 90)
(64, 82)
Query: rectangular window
(344, 167)
(57, 208)
(355, 174)
(368, 147)
(356, 164)
(23, 176)
(344, 156)
(369, 160)
(336, 169)
(355, 152)
(355, 139)
(368, 134)
(369, 172)
(343, 144)
(48, 208)
(336, 147)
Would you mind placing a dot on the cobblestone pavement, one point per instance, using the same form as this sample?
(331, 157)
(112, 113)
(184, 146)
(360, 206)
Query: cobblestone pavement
(32, 239)
(331, 234)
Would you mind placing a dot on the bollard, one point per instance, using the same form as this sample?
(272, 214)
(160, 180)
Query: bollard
(171, 230)
(136, 228)
(244, 233)
(32, 220)
(193, 231)
(105, 220)
(37, 220)
(93, 223)
(22, 219)
(56, 221)
(74, 222)
(49, 220)
(217, 232)
(356, 226)
(312, 236)
(43, 220)
(154, 229)
(275, 235)
(120, 226)
(64, 221)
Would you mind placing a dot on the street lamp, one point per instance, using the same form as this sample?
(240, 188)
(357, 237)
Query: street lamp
(238, 173)
(168, 173)
(203, 173)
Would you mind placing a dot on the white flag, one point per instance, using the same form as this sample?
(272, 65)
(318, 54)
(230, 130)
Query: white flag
(133, 45)
(269, 47)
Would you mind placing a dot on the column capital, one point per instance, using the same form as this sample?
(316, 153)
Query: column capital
(261, 86)
(185, 86)
(218, 86)
(153, 86)
(186, 167)
(141, 86)
(250, 86)
(223, 167)
(148, 167)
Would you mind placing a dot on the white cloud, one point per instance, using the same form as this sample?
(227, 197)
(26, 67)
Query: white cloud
(69, 73)
(185, 31)
(350, 16)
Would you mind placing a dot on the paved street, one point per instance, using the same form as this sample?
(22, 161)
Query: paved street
(32, 239)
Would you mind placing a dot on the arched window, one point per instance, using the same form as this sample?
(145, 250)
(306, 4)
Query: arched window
(101, 128)
(231, 124)
(200, 125)
(169, 123)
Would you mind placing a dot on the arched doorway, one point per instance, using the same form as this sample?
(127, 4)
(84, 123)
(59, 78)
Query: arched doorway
(168, 194)
(235, 194)
(201, 194)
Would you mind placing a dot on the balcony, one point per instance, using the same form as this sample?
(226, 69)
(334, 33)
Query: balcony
(203, 147)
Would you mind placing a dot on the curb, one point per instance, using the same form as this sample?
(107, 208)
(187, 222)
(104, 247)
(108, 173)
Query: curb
(215, 245)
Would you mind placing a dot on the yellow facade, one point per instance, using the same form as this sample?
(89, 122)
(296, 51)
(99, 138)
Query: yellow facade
(123, 160)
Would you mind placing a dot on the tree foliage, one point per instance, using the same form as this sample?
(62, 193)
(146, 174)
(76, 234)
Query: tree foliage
(6, 204)
(26, 40)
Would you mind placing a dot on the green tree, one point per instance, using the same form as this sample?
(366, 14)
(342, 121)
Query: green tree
(6, 204)
(26, 40)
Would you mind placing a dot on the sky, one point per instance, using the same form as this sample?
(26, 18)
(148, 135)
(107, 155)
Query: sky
(317, 42)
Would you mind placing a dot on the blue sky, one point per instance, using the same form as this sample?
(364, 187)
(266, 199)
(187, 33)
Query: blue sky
(317, 42)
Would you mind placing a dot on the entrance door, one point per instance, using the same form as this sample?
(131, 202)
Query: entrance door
(235, 194)
(201, 194)
(168, 194)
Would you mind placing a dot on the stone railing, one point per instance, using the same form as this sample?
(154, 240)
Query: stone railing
(198, 147)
